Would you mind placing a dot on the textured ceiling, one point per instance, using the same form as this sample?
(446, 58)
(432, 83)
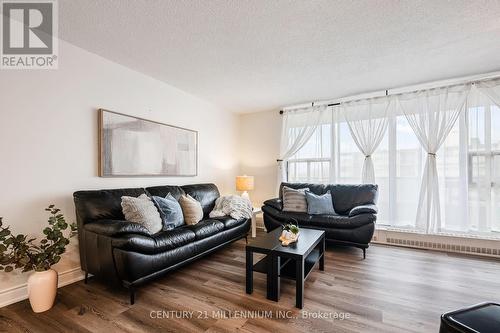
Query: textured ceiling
(256, 55)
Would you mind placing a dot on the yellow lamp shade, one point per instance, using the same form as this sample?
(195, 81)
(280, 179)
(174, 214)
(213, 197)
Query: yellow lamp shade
(244, 183)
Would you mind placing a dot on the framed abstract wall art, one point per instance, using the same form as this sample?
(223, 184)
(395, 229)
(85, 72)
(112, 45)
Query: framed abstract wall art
(136, 147)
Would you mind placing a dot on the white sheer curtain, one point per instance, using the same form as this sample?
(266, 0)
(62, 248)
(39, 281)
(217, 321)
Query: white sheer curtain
(483, 151)
(432, 115)
(297, 128)
(453, 132)
(367, 120)
(490, 88)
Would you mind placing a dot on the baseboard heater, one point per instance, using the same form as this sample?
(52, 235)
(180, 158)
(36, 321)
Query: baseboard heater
(482, 247)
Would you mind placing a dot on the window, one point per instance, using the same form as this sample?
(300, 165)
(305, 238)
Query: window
(312, 163)
(484, 167)
(468, 165)
(452, 184)
(349, 159)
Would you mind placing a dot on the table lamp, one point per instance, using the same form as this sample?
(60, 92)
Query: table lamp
(244, 183)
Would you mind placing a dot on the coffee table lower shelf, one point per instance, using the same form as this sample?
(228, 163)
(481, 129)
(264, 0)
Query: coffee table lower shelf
(287, 266)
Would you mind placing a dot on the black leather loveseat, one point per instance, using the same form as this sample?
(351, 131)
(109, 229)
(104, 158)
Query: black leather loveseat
(124, 252)
(354, 221)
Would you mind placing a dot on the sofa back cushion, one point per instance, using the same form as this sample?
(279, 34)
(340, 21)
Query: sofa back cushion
(318, 189)
(205, 194)
(102, 204)
(346, 196)
(163, 191)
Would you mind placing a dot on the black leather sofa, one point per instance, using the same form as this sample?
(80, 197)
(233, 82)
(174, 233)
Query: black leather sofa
(123, 252)
(353, 224)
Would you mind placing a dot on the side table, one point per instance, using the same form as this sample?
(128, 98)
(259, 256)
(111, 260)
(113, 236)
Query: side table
(256, 211)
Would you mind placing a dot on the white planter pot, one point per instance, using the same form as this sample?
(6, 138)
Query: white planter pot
(42, 290)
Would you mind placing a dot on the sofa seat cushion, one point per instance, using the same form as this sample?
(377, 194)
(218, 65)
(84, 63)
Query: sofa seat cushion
(341, 221)
(206, 228)
(361, 235)
(138, 267)
(321, 221)
(286, 217)
(229, 222)
(157, 243)
(171, 239)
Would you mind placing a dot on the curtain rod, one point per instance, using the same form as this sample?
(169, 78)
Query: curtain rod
(331, 104)
(312, 104)
(396, 91)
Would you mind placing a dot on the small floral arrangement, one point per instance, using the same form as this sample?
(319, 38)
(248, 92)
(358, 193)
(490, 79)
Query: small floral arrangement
(290, 234)
(292, 228)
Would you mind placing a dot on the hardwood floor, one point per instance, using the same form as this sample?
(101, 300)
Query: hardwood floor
(393, 290)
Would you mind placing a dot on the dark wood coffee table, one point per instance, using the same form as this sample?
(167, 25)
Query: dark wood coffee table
(295, 261)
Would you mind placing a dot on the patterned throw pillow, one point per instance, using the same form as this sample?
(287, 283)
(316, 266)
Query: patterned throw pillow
(142, 210)
(319, 204)
(294, 200)
(193, 213)
(170, 211)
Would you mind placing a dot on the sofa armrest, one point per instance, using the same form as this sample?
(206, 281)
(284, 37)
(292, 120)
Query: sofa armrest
(275, 203)
(363, 209)
(116, 227)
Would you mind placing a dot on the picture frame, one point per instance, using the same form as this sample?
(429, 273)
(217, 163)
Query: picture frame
(131, 146)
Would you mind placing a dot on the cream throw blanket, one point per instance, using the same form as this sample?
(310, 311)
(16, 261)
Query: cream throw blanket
(232, 205)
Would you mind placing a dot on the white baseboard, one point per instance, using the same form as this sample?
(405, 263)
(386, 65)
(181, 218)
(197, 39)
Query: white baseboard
(20, 292)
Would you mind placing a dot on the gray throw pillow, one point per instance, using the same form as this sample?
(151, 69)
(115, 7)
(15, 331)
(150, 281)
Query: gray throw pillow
(142, 210)
(170, 211)
(319, 204)
(294, 200)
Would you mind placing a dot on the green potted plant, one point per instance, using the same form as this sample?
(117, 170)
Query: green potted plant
(21, 252)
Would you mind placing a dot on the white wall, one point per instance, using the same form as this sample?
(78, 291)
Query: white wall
(259, 148)
(48, 138)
